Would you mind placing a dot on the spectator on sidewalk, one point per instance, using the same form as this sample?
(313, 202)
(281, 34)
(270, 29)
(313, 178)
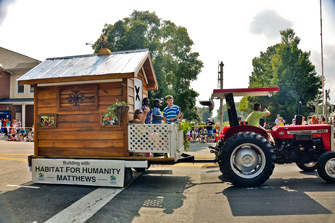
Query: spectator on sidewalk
(30, 137)
(12, 135)
(277, 120)
(309, 120)
(315, 120)
(194, 135)
(281, 121)
(8, 126)
(21, 134)
(209, 127)
(19, 124)
(203, 134)
(323, 120)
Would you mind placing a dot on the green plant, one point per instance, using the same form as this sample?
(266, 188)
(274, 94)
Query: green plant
(185, 126)
(109, 120)
(117, 109)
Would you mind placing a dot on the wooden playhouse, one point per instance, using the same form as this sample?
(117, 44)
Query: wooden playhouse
(71, 95)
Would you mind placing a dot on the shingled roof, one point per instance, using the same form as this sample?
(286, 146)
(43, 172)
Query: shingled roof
(11, 60)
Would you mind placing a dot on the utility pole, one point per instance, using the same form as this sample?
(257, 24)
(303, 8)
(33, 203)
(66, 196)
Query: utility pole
(327, 99)
(323, 84)
(220, 80)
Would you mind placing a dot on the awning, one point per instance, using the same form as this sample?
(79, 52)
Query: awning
(17, 101)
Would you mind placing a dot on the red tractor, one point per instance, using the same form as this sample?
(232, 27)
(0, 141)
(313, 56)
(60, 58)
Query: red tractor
(247, 154)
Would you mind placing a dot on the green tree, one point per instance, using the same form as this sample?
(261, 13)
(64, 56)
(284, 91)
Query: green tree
(286, 66)
(204, 114)
(225, 113)
(171, 51)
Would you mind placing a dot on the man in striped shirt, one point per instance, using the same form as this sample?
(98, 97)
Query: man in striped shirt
(171, 112)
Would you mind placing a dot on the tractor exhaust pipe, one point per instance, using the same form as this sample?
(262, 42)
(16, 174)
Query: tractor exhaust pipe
(298, 120)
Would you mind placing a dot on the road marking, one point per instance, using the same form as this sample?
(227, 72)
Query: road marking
(32, 187)
(14, 154)
(87, 206)
(204, 156)
(12, 158)
(195, 164)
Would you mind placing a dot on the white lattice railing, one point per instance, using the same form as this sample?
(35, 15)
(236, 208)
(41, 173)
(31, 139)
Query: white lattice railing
(156, 138)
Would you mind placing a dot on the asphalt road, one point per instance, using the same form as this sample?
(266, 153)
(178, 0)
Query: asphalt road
(179, 193)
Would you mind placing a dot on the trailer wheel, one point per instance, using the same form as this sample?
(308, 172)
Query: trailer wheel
(307, 167)
(142, 169)
(247, 159)
(128, 176)
(326, 167)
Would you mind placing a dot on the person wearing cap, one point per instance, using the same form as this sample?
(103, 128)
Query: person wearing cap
(209, 127)
(171, 112)
(156, 113)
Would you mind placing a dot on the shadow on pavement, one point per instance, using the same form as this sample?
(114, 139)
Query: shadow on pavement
(312, 173)
(198, 146)
(163, 192)
(38, 205)
(278, 197)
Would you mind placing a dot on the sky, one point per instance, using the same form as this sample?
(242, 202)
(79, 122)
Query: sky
(233, 32)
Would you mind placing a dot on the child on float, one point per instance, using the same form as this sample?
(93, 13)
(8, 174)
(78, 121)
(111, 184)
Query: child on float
(171, 112)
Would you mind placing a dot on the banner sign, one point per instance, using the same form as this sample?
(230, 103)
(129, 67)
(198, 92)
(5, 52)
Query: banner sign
(109, 173)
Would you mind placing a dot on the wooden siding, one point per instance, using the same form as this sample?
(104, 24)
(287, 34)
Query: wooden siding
(131, 97)
(131, 94)
(78, 131)
(88, 92)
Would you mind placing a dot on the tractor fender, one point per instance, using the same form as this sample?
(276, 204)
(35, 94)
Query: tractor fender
(244, 128)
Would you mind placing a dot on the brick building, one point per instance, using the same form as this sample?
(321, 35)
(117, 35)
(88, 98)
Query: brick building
(16, 101)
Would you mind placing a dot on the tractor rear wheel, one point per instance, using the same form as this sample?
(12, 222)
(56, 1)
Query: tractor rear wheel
(307, 167)
(326, 167)
(246, 159)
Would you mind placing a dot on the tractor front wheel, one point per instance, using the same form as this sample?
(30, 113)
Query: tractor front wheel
(326, 167)
(247, 159)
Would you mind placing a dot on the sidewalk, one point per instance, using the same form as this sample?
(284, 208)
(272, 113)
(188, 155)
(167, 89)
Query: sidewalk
(3, 137)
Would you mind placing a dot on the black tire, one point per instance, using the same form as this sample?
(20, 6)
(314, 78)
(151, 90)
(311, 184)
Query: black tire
(139, 169)
(128, 176)
(326, 167)
(247, 159)
(307, 167)
(142, 169)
